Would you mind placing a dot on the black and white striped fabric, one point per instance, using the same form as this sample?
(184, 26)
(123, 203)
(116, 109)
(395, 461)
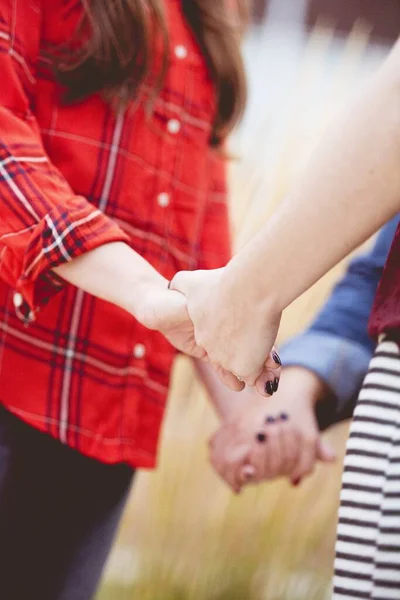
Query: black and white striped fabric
(368, 541)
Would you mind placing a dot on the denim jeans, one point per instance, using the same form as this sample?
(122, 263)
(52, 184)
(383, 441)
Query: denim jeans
(59, 513)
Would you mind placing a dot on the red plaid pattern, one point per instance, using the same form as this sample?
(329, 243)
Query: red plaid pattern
(75, 177)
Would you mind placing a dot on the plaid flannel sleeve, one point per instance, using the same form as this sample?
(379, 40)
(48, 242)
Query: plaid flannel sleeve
(42, 222)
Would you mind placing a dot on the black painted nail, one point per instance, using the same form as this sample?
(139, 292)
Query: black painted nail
(261, 437)
(284, 416)
(269, 388)
(276, 358)
(270, 420)
(276, 384)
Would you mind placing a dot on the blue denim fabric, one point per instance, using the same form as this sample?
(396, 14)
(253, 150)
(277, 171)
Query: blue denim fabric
(336, 346)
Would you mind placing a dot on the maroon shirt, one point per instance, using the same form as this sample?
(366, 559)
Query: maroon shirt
(385, 316)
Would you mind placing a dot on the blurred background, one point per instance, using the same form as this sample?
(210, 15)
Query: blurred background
(184, 536)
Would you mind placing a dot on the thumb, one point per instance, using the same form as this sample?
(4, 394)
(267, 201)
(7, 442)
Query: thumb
(247, 474)
(230, 380)
(182, 282)
(325, 452)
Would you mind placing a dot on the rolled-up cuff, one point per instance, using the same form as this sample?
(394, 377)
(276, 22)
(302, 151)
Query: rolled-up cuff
(60, 236)
(340, 363)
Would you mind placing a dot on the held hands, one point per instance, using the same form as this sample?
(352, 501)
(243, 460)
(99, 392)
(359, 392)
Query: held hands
(280, 437)
(236, 336)
(166, 311)
(175, 315)
(260, 440)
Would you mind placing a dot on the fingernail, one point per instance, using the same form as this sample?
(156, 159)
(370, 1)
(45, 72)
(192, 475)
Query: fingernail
(276, 358)
(261, 437)
(276, 384)
(284, 416)
(296, 482)
(270, 420)
(269, 388)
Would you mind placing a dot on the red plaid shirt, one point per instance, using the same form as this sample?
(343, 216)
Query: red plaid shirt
(73, 178)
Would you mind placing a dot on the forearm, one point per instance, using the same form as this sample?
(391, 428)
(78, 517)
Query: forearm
(225, 402)
(115, 273)
(350, 188)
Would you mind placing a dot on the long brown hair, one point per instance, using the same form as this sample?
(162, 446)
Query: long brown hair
(121, 36)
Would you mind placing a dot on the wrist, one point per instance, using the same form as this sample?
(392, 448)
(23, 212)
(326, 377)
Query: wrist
(144, 298)
(309, 384)
(262, 301)
(241, 405)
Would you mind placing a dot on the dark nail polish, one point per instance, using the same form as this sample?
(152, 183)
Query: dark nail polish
(269, 388)
(276, 358)
(284, 416)
(261, 437)
(270, 420)
(276, 384)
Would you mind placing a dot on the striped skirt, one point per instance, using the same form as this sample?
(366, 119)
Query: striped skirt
(367, 561)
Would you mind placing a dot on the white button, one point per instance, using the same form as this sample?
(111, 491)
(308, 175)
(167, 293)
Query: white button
(139, 351)
(174, 126)
(181, 52)
(163, 199)
(18, 300)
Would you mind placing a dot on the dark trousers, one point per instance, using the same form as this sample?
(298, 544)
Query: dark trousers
(59, 513)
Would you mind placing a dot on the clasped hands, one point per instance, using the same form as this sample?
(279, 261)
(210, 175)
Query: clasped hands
(259, 439)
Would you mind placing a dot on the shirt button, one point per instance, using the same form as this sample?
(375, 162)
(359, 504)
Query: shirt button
(174, 126)
(180, 52)
(163, 199)
(139, 351)
(18, 300)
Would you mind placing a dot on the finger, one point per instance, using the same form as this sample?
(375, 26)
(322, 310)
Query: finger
(230, 477)
(290, 444)
(275, 462)
(230, 380)
(258, 455)
(247, 474)
(268, 382)
(227, 460)
(306, 461)
(325, 453)
(181, 282)
(274, 361)
(266, 454)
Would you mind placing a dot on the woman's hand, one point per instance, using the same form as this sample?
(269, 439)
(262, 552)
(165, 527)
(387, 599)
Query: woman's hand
(166, 311)
(236, 335)
(264, 440)
(249, 449)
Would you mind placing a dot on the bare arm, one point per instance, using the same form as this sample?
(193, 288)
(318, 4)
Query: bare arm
(116, 273)
(350, 188)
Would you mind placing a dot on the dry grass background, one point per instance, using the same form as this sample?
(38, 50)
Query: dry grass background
(184, 536)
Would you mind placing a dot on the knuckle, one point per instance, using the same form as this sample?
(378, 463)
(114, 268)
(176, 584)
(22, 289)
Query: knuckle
(310, 440)
(212, 442)
(308, 471)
